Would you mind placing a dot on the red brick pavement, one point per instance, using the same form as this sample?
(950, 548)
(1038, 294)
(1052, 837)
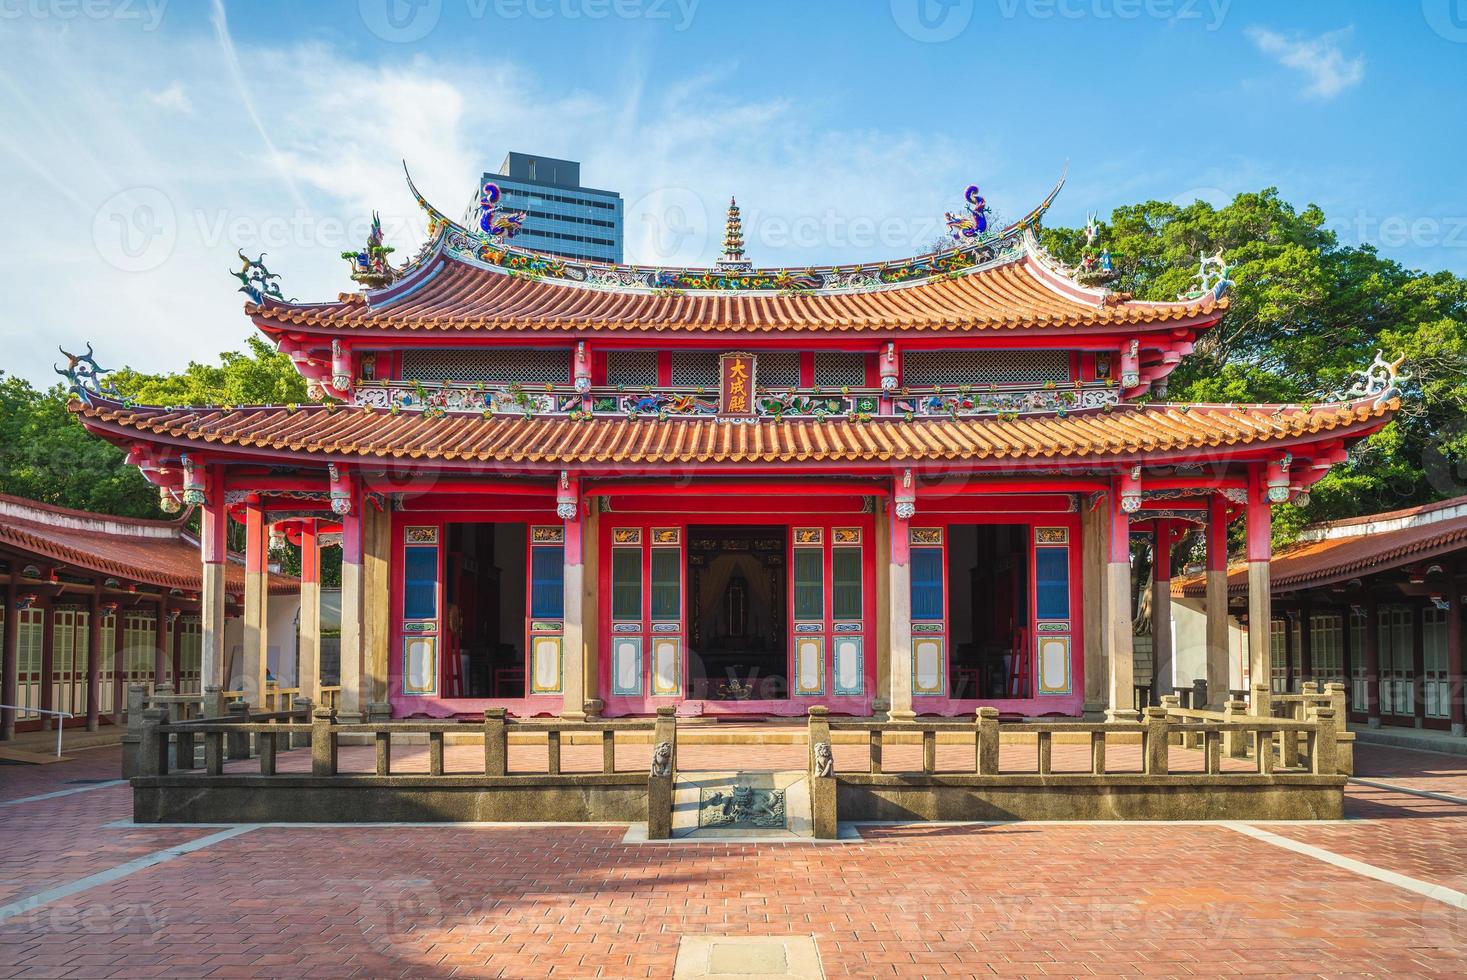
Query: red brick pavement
(1025, 899)
(1431, 771)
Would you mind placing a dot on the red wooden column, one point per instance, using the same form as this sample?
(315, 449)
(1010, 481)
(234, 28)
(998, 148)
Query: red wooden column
(160, 643)
(1347, 647)
(256, 624)
(176, 640)
(1306, 644)
(94, 657)
(213, 552)
(573, 651)
(1372, 660)
(309, 680)
(48, 661)
(1457, 710)
(1259, 516)
(1418, 663)
(10, 675)
(1219, 673)
(1122, 693)
(347, 504)
(1163, 674)
(1289, 675)
(119, 666)
(899, 579)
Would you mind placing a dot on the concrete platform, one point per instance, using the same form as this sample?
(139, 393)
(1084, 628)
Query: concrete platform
(1421, 739)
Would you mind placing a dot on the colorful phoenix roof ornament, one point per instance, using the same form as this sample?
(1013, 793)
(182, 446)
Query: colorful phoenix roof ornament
(495, 224)
(975, 223)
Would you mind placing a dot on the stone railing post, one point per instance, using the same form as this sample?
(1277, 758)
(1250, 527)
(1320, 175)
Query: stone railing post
(213, 706)
(303, 708)
(1155, 747)
(153, 743)
(1199, 693)
(986, 761)
(136, 698)
(183, 747)
(1335, 691)
(496, 743)
(1235, 742)
(1262, 705)
(663, 773)
(1344, 748)
(1322, 756)
(1288, 752)
(1168, 703)
(323, 743)
(237, 743)
(821, 767)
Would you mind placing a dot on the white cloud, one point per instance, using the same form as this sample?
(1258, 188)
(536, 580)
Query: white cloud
(174, 97)
(1321, 59)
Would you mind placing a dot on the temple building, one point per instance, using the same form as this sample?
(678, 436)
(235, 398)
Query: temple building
(1372, 602)
(129, 590)
(897, 487)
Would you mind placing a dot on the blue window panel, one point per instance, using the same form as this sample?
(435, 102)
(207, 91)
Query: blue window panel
(927, 574)
(547, 582)
(1052, 583)
(420, 583)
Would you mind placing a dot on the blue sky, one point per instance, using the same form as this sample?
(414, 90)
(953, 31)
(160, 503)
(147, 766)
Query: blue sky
(142, 144)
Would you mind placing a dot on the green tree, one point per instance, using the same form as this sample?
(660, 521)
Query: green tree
(46, 455)
(259, 375)
(1306, 313)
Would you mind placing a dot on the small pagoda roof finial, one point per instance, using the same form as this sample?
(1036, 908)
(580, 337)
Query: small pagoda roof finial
(733, 258)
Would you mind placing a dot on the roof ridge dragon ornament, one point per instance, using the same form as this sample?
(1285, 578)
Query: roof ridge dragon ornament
(369, 265)
(84, 375)
(1381, 379)
(1097, 268)
(1211, 277)
(256, 281)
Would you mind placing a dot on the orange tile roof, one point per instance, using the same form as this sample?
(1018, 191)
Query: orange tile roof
(132, 549)
(457, 297)
(559, 441)
(1306, 564)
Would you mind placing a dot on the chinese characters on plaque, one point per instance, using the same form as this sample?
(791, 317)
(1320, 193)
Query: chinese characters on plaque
(736, 384)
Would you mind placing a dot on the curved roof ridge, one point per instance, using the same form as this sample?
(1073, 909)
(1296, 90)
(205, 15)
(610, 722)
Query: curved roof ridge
(28, 509)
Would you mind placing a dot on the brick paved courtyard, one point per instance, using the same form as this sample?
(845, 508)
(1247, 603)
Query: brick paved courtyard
(1018, 899)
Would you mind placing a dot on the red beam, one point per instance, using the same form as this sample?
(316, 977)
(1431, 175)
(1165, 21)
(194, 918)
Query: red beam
(761, 488)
